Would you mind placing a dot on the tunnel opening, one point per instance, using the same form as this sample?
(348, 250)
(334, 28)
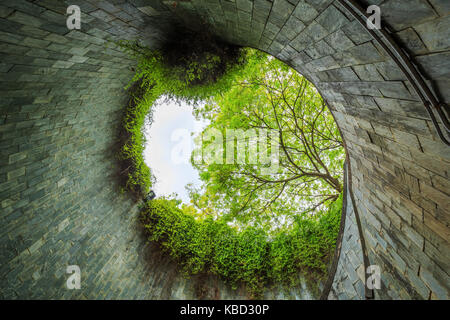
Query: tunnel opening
(62, 104)
(270, 160)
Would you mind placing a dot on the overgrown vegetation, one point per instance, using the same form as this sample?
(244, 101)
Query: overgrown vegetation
(309, 153)
(136, 175)
(201, 68)
(250, 256)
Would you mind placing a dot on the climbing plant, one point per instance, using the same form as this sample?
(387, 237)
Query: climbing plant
(201, 242)
(250, 256)
(203, 68)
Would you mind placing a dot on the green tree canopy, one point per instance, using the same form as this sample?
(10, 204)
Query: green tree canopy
(284, 217)
(269, 96)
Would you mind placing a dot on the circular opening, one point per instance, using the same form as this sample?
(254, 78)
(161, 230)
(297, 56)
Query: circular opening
(265, 206)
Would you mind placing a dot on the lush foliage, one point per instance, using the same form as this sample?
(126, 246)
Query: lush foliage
(199, 74)
(271, 96)
(137, 175)
(245, 89)
(250, 256)
(160, 73)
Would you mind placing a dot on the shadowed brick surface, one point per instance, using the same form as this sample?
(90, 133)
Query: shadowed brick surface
(349, 279)
(61, 100)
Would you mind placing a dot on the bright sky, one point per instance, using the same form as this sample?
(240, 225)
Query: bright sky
(169, 147)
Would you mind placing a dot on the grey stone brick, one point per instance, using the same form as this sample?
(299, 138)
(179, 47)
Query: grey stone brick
(305, 12)
(399, 14)
(61, 104)
(437, 289)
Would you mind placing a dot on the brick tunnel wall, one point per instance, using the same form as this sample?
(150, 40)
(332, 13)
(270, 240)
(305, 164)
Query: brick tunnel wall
(349, 274)
(61, 103)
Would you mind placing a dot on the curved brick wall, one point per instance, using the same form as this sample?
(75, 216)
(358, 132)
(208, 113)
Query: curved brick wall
(349, 275)
(60, 105)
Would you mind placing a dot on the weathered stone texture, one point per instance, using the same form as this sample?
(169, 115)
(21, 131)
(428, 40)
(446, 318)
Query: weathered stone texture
(60, 108)
(349, 279)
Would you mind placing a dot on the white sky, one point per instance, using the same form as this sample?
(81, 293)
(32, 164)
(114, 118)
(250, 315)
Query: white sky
(169, 146)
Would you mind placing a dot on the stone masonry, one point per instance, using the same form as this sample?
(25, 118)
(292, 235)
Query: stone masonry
(61, 101)
(349, 278)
